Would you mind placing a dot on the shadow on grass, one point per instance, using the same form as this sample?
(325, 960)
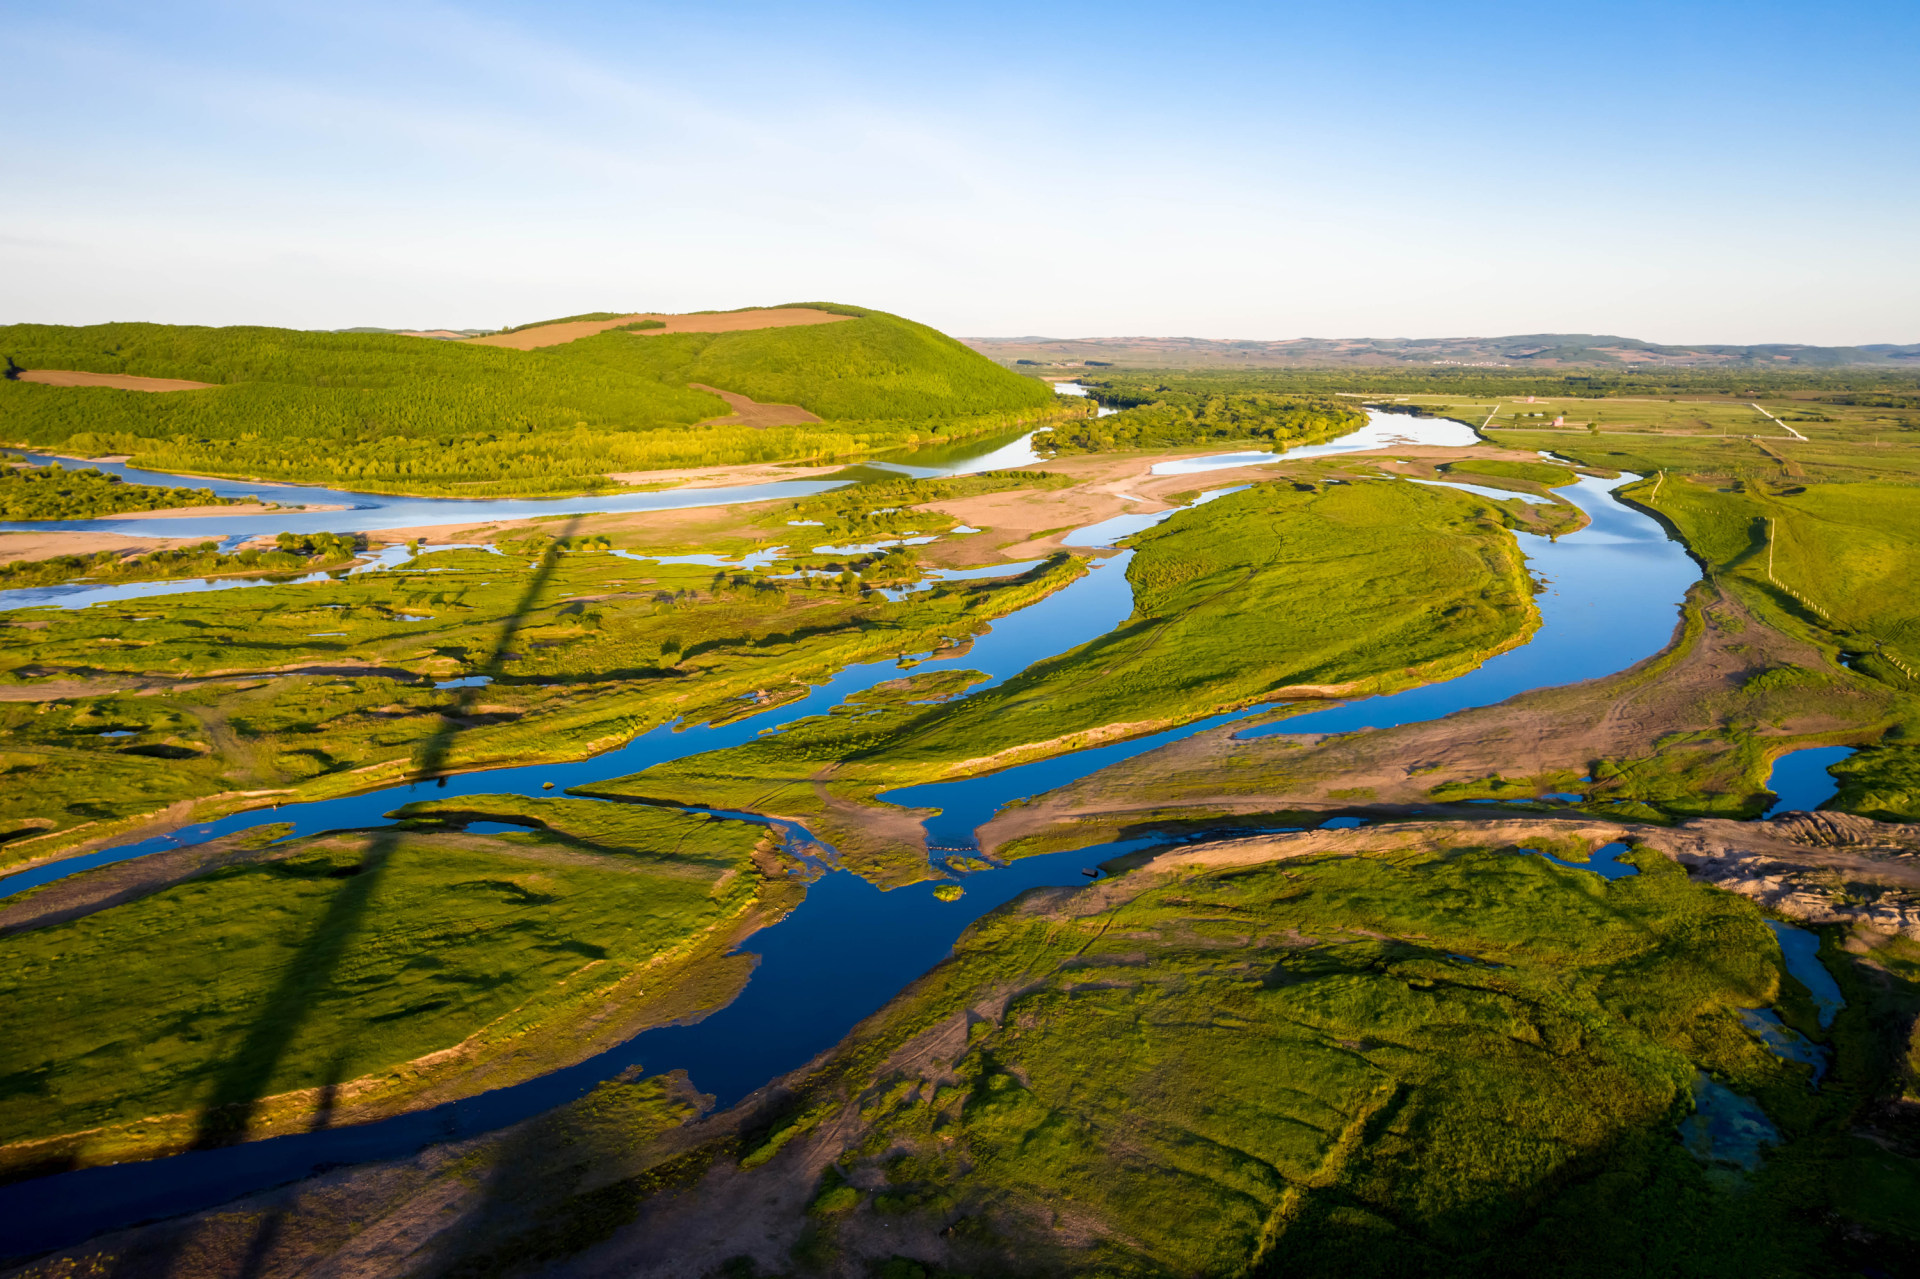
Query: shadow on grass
(242, 1084)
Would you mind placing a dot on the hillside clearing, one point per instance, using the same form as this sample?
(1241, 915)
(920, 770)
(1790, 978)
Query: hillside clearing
(779, 317)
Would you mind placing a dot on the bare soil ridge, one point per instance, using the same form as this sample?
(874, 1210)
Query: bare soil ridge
(779, 317)
(116, 381)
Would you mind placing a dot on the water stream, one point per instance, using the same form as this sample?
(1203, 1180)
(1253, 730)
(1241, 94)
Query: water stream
(367, 512)
(1612, 600)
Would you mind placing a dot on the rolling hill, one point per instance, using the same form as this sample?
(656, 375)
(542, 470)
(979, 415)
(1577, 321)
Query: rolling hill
(391, 413)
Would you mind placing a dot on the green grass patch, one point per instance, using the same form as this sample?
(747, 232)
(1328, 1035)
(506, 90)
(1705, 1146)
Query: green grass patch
(1535, 472)
(343, 958)
(58, 493)
(1358, 587)
(1456, 1062)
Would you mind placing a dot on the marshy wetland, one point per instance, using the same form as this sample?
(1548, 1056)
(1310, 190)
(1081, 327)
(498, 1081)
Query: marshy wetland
(1100, 844)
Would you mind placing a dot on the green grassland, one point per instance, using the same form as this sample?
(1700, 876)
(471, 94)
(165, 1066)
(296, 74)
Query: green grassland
(1456, 1061)
(328, 687)
(242, 1002)
(1835, 563)
(1543, 473)
(59, 493)
(394, 414)
(1155, 415)
(1350, 586)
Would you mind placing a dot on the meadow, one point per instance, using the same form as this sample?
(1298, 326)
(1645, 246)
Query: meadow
(382, 413)
(346, 975)
(1450, 1061)
(325, 687)
(1341, 586)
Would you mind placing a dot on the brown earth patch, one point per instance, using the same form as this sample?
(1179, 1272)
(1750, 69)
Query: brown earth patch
(117, 381)
(779, 317)
(748, 412)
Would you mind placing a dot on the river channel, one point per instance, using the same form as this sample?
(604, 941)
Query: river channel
(1611, 598)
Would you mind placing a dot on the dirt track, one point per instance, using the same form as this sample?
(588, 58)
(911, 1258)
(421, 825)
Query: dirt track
(714, 322)
(116, 381)
(748, 412)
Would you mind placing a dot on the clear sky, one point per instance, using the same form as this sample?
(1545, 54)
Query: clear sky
(1676, 171)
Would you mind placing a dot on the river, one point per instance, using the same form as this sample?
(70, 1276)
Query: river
(1612, 599)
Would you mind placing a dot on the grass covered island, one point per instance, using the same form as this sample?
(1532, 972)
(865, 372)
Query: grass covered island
(1300, 589)
(57, 492)
(341, 978)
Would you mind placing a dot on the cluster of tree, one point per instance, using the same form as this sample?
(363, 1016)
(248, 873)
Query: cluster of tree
(390, 413)
(1161, 416)
(292, 553)
(886, 508)
(56, 493)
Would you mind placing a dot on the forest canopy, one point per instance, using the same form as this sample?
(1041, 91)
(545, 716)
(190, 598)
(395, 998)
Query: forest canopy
(398, 414)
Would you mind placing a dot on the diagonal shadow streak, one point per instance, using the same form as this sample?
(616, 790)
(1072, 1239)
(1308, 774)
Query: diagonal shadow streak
(234, 1100)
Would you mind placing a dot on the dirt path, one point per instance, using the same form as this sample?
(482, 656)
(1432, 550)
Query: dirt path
(117, 381)
(748, 412)
(779, 317)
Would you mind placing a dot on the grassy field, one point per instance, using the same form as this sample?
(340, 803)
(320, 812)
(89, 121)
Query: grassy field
(326, 976)
(1337, 586)
(85, 493)
(394, 414)
(1456, 1061)
(1534, 472)
(327, 687)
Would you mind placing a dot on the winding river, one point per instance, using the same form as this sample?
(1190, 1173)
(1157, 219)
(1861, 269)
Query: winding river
(1611, 599)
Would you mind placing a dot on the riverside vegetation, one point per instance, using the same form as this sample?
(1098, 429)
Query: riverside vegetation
(1430, 1056)
(290, 553)
(1405, 584)
(86, 493)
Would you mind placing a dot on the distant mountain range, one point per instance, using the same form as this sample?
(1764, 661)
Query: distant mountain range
(1530, 350)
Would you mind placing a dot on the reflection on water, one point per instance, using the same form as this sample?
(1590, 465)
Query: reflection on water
(1603, 861)
(82, 593)
(1800, 949)
(366, 512)
(1800, 781)
(1726, 1128)
(1382, 431)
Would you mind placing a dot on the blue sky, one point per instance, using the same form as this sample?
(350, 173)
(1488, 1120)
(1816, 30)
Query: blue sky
(1679, 172)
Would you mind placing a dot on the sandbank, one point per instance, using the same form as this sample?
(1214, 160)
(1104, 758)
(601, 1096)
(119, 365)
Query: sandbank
(45, 546)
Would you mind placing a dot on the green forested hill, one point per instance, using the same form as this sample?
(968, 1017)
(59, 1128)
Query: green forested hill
(391, 413)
